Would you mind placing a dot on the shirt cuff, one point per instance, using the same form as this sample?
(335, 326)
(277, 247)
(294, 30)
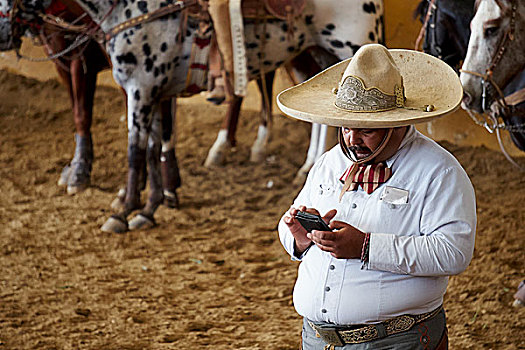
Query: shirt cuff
(381, 253)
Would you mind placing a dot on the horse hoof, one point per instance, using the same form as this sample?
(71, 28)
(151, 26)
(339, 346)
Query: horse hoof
(216, 157)
(118, 203)
(171, 200)
(64, 176)
(257, 156)
(115, 224)
(141, 221)
(72, 189)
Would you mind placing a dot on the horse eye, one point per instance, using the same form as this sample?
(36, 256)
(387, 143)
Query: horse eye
(490, 31)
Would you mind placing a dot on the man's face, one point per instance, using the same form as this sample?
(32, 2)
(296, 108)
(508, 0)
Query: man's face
(363, 141)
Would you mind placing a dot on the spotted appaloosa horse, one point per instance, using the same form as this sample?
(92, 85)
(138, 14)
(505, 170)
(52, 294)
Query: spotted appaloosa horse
(150, 62)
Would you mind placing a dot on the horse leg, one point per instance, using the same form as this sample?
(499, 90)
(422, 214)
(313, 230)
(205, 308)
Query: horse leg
(83, 90)
(139, 123)
(145, 218)
(65, 76)
(168, 160)
(311, 155)
(258, 152)
(226, 136)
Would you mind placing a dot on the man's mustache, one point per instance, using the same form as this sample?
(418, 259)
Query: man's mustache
(360, 149)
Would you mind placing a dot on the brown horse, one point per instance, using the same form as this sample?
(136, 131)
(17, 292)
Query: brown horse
(77, 66)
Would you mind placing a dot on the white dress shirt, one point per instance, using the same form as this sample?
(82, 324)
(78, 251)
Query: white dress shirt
(422, 224)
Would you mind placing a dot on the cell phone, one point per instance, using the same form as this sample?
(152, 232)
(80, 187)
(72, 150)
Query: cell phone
(312, 222)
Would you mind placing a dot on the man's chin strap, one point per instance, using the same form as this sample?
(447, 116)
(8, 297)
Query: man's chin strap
(351, 155)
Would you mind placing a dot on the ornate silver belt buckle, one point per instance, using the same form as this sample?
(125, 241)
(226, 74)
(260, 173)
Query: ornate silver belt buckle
(330, 336)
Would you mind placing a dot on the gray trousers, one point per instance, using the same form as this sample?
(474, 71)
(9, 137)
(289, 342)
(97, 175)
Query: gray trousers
(425, 335)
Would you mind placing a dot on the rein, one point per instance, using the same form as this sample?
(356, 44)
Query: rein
(148, 17)
(431, 8)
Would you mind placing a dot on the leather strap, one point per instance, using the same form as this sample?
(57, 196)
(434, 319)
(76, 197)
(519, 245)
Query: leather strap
(148, 17)
(339, 336)
(240, 74)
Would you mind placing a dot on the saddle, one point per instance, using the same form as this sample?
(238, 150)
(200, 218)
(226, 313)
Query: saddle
(281, 9)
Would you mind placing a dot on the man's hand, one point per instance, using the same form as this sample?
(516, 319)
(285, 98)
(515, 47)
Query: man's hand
(344, 243)
(302, 242)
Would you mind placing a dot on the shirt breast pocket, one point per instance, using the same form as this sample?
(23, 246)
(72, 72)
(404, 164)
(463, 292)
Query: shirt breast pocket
(394, 218)
(396, 210)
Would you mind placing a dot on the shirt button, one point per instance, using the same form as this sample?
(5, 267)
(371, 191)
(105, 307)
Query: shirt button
(320, 192)
(332, 267)
(324, 311)
(392, 206)
(354, 205)
(327, 289)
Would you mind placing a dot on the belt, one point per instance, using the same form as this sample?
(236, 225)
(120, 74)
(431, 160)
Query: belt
(341, 335)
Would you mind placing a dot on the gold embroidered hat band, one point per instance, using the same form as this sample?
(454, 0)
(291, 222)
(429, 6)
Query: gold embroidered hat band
(377, 88)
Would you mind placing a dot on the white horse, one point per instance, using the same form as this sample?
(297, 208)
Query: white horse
(151, 61)
(495, 52)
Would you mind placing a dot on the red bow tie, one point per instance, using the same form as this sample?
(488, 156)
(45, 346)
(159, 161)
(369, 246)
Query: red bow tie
(368, 176)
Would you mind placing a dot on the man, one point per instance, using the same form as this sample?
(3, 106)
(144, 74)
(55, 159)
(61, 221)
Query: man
(401, 208)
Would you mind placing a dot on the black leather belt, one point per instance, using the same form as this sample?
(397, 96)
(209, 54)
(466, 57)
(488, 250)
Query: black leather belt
(341, 335)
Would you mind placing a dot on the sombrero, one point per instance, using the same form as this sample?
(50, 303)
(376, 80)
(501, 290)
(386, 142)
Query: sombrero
(377, 88)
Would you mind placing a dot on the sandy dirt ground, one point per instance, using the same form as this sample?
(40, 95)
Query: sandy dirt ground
(212, 274)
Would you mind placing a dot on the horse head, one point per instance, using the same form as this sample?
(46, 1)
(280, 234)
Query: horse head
(447, 30)
(495, 52)
(17, 16)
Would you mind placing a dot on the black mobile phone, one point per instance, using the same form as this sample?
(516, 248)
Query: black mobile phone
(312, 222)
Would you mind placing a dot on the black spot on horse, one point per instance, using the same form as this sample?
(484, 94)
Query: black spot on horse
(143, 6)
(164, 81)
(369, 7)
(325, 32)
(337, 44)
(330, 26)
(284, 27)
(136, 95)
(371, 36)
(290, 49)
(308, 19)
(145, 110)
(267, 63)
(146, 49)
(154, 91)
(148, 64)
(251, 45)
(128, 58)
(128, 13)
(352, 46)
(163, 47)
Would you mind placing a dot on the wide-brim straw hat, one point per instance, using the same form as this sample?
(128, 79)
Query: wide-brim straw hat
(431, 89)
